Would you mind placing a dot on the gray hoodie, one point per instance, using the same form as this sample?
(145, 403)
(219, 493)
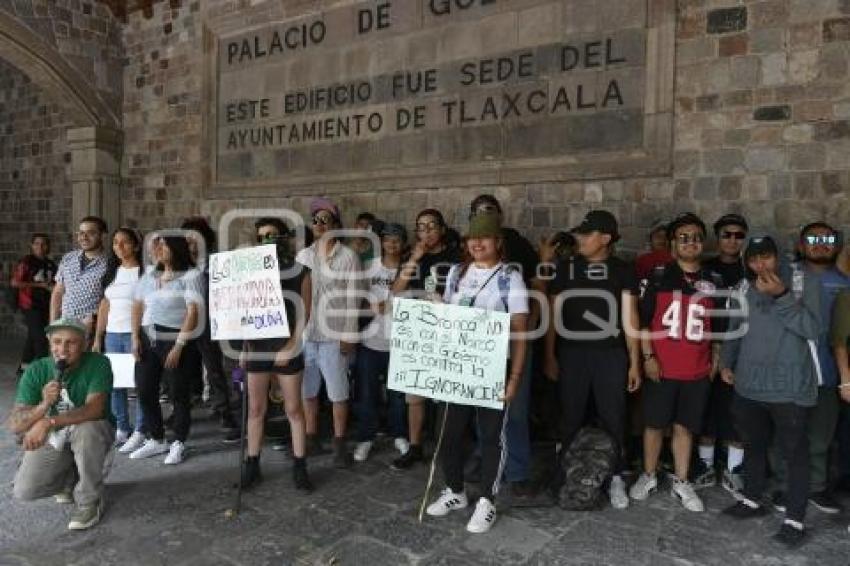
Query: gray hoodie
(773, 361)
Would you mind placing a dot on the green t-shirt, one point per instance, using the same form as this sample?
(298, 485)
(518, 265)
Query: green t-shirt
(92, 375)
(841, 320)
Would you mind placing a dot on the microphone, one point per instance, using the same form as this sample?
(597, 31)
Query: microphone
(61, 367)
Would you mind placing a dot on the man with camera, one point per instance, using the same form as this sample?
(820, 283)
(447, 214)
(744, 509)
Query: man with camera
(63, 418)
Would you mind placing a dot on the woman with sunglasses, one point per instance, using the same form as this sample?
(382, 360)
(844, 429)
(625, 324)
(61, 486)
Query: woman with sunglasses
(484, 281)
(170, 295)
(331, 330)
(113, 333)
(278, 359)
(423, 276)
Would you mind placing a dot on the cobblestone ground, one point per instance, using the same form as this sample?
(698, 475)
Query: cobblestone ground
(176, 516)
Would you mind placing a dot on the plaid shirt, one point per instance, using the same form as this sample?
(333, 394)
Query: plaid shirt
(82, 284)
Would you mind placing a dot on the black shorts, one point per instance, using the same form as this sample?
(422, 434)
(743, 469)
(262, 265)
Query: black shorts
(675, 401)
(719, 422)
(266, 349)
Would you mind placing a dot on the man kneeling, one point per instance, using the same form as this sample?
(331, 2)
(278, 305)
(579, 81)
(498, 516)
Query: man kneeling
(63, 416)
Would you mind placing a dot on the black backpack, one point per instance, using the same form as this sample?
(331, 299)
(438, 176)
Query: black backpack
(586, 465)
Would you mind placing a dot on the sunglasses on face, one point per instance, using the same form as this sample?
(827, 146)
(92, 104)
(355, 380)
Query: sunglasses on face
(825, 239)
(735, 235)
(322, 220)
(267, 236)
(690, 238)
(427, 226)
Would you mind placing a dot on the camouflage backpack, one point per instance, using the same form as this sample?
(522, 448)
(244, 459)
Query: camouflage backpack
(586, 465)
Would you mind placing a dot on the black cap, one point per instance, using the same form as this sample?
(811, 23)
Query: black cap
(760, 245)
(728, 220)
(684, 219)
(598, 221)
(393, 229)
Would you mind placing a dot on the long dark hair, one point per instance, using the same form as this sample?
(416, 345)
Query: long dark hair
(181, 257)
(200, 225)
(113, 262)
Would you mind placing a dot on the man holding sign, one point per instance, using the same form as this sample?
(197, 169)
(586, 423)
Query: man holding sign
(469, 344)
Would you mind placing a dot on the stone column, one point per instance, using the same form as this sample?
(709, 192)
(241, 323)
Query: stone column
(96, 173)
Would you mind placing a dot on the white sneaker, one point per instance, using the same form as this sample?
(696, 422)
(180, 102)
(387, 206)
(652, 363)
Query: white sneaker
(684, 492)
(483, 518)
(121, 437)
(136, 440)
(617, 493)
(448, 501)
(402, 445)
(150, 448)
(175, 453)
(361, 452)
(644, 486)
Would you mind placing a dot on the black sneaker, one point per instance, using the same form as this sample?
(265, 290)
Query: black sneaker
(232, 435)
(281, 445)
(825, 502)
(406, 461)
(742, 510)
(703, 475)
(790, 536)
(778, 500)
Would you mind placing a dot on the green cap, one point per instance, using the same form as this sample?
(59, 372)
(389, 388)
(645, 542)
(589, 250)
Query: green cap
(484, 226)
(66, 323)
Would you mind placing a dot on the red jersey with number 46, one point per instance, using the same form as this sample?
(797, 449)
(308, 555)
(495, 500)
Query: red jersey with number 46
(676, 306)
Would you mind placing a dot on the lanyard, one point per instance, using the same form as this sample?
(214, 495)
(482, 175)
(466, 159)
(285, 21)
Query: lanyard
(481, 288)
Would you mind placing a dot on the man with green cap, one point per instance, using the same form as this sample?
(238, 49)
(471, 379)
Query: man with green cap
(63, 418)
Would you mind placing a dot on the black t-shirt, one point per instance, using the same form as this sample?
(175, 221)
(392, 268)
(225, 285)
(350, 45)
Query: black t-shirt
(612, 277)
(730, 275)
(520, 252)
(292, 285)
(443, 261)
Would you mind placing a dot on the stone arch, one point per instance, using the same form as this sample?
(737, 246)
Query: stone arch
(95, 140)
(32, 55)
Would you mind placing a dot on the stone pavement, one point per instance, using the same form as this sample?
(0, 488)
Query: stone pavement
(176, 516)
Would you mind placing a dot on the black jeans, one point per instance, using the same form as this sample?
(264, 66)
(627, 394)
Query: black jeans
(453, 452)
(35, 345)
(757, 421)
(150, 371)
(213, 362)
(598, 374)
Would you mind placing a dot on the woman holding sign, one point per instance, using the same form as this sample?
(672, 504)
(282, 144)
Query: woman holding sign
(113, 332)
(423, 276)
(279, 358)
(483, 282)
(168, 299)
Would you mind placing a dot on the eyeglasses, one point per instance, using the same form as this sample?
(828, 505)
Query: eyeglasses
(427, 226)
(825, 239)
(730, 235)
(322, 220)
(690, 238)
(263, 236)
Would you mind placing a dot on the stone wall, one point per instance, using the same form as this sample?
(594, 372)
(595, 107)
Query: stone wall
(35, 162)
(762, 108)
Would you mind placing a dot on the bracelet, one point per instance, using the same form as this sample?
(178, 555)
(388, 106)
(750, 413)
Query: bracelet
(180, 342)
(647, 357)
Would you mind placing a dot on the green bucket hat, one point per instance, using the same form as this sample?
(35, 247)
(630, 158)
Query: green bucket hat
(484, 226)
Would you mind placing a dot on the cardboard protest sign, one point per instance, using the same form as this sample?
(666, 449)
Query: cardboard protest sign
(123, 370)
(449, 352)
(246, 300)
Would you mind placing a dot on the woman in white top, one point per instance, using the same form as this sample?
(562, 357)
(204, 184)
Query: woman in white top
(168, 298)
(484, 282)
(112, 335)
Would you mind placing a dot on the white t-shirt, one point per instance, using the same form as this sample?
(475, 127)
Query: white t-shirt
(120, 294)
(376, 335)
(167, 302)
(486, 283)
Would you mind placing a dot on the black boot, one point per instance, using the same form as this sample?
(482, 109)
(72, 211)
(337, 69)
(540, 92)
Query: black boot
(342, 459)
(300, 477)
(412, 456)
(251, 474)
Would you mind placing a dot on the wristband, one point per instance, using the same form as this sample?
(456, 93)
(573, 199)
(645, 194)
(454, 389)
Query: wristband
(180, 342)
